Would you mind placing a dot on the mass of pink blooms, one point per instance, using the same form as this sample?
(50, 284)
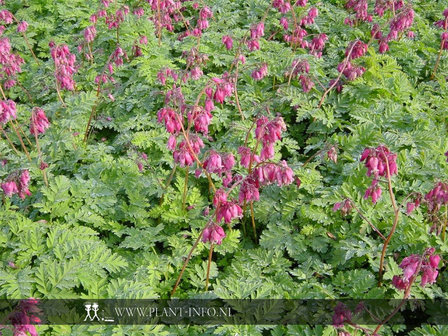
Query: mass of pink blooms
(187, 125)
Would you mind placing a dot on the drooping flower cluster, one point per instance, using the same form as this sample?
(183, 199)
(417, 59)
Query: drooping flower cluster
(400, 23)
(350, 71)
(168, 10)
(194, 61)
(260, 73)
(379, 162)
(310, 17)
(64, 66)
(6, 16)
(137, 47)
(411, 206)
(317, 45)
(341, 315)
(90, 34)
(227, 41)
(202, 23)
(256, 32)
(22, 27)
(332, 154)
(268, 132)
(345, 207)
(270, 173)
(226, 210)
(39, 121)
(360, 9)
(381, 6)
(300, 69)
(224, 88)
(298, 33)
(219, 163)
(113, 20)
(170, 118)
(10, 63)
(443, 23)
(426, 265)
(437, 197)
(213, 233)
(282, 6)
(7, 111)
(355, 50)
(25, 317)
(17, 183)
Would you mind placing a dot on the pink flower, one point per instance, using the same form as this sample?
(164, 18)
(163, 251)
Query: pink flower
(345, 207)
(427, 265)
(282, 6)
(139, 12)
(6, 16)
(22, 27)
(205, 13)
(358, 49)
(213, 233)
(228, 161)
(375, 161)
(249, 190)
(383, 47)
(39, 122)
(227, 41)
(284, 23)
(90, 33)
(341, 315)
(7, 111)
(437, 197)
(332, 154)
(410, 206)
(196, 143)
(260, 73)
(213, 163)
(318, 44)
(246, 156)
(228, 211)
(307, 83)
(253, 45)
(183, 155)
(172, 143)
(301, 3)
(434, 261)
(399, 283)
(10, 188)
(170, 118)
(257, 31)
(219, 197)
(64, 66)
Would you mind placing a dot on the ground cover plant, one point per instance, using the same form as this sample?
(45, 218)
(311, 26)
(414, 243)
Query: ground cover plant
(224, 149)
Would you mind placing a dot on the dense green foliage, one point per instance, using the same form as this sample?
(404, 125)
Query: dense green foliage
(104, 229)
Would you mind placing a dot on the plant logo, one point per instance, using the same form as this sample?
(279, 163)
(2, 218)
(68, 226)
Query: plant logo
(91, 308)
